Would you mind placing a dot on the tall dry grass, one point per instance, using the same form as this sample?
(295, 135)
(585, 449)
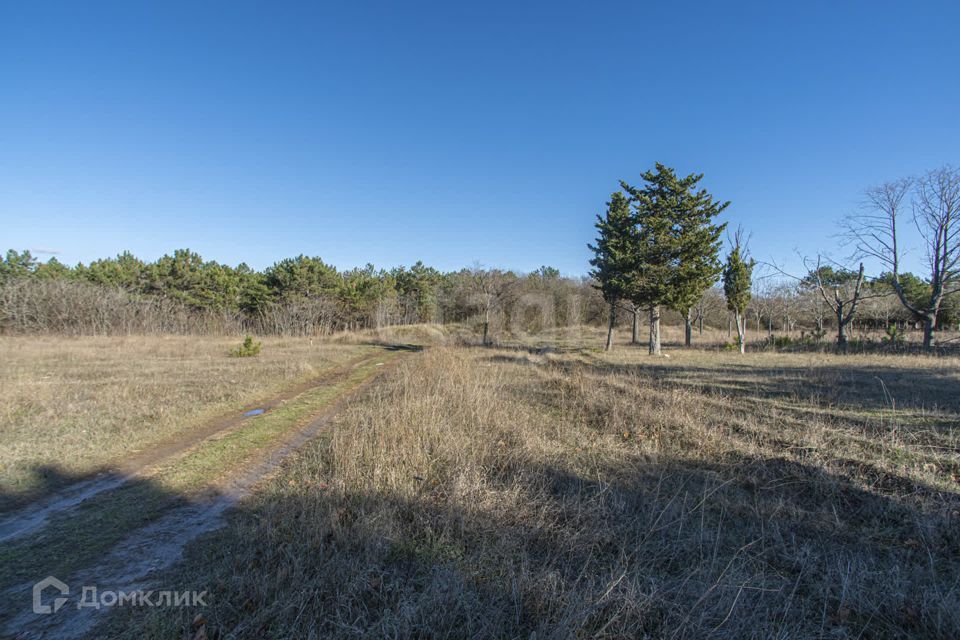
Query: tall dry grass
(499, 493)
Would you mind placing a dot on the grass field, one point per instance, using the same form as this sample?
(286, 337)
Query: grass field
(70, 405)
(538, 492)
(117, 512)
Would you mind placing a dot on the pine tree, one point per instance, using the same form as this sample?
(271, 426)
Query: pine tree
(613, 262)
(17, 265)
(677, 246)
(737, 276)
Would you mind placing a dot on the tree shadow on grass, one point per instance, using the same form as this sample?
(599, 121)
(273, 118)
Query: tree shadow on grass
(109, 538)
(395, 346)
(761, 547)
(855, 386)
(40, 481)
(624, 547)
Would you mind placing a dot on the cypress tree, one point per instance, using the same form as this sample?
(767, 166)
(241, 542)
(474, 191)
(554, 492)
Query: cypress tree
(613, 260)
(737, 276)
(699, 266)
(677, 244)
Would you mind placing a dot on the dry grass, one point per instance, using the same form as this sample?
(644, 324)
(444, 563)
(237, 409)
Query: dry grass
(504, 493)
(77, 403)
(672, 336)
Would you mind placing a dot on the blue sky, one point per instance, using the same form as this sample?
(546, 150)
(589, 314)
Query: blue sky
(452, 132)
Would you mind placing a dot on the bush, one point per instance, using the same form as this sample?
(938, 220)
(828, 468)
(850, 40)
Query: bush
(894, 335)
(780, 342)
(248, 349)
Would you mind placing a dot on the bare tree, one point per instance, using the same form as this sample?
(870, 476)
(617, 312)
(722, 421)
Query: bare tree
(840, 288)
(785, 304)
(876, 233)
(881, 311)
(489, 291)
(710, 302)
(813, 304)
(634, 312)
(762, 303)
(842, 291)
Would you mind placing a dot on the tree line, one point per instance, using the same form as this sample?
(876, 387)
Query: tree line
(183, 293)
(658, 245)
(657, 254)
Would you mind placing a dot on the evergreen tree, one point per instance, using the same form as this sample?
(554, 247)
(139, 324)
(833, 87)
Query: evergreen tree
(359, 294)
(17, 265)
(179, 277)
(546, 274)
(303, 277)
(677, 244)
(614, 256)
(52, 269)
(737, 277)
(254, 294)
(125, 271)
(417, 288)
(914, 289)
(698, 238)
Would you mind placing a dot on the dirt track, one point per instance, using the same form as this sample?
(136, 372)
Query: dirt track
(129, 565)
(32, 517)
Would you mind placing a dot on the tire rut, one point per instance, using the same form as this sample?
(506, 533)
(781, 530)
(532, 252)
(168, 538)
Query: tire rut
(131, 564)
(34, 515)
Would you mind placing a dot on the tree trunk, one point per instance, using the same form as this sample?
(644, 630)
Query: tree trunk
(613, 319)
(635, 327)
(655, 330)
(929, 326)
(687, 329)
(700, 324)
(841, 331)
(729, 326)
(741, 322)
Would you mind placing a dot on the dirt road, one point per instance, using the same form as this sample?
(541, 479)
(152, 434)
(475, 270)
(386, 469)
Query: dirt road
(253, 444)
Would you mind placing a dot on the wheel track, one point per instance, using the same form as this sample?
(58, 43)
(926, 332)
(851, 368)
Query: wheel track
(131, 564)
(34, 516)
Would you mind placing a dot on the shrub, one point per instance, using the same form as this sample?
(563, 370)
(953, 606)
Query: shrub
(780, 342)
(894, 334)
(248, 349)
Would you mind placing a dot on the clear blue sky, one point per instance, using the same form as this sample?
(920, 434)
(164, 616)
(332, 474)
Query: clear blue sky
(453, 132)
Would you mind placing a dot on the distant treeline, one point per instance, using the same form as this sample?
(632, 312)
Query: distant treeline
(183, 293)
